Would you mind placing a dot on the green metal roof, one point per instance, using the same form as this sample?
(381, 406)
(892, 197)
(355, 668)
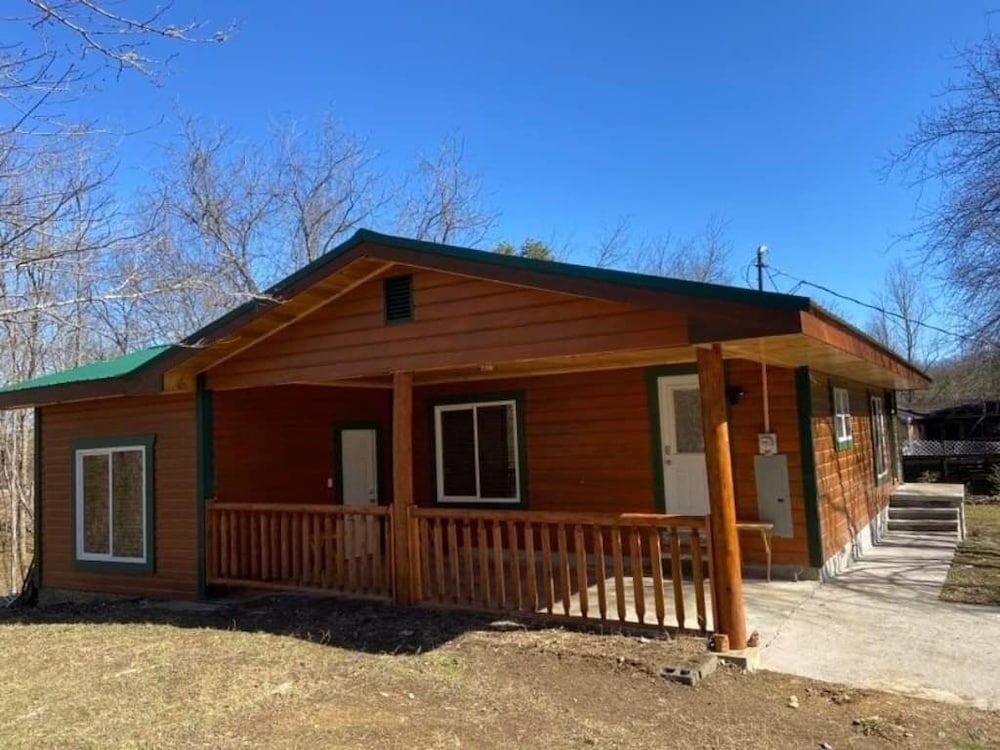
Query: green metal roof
(106, 370)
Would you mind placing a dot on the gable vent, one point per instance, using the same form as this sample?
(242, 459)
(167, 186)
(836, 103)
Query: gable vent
(398, 299)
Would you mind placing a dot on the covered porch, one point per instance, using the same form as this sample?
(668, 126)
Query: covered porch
(384, 532)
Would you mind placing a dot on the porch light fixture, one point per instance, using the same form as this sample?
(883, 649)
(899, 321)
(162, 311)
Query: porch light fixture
(735, 394)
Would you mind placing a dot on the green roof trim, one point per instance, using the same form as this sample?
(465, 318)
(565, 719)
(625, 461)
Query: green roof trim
(113, 368)
(573, 270)
(129, 366)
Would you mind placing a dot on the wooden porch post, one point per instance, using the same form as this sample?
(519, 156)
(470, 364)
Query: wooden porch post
(727, 577)
(402, 485)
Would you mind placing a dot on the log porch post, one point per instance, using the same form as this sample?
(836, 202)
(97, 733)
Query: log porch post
(727, 576)
(402, 485)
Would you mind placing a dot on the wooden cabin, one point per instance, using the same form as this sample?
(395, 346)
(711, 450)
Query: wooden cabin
(442, 425)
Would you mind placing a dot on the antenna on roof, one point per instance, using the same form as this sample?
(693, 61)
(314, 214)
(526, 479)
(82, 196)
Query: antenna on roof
(761, 250)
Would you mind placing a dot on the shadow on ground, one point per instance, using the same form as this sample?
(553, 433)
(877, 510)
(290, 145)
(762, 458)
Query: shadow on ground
(360, 625)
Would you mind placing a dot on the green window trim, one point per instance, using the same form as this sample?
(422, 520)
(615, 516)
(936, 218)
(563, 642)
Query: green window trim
(118, 566)
(847, 441)
(520, 420)
(879, 428)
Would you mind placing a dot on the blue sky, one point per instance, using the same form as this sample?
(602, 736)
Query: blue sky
(775, 116)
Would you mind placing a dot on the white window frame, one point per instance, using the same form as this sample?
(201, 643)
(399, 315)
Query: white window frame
(82, 554)
(439, 409)
(843, 429)
(880, 437)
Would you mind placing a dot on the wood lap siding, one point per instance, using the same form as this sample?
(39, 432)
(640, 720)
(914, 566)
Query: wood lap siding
(171, 419)
(275, 445)
(848, 495)
(457, 321)
(587, 437)
(746, 421)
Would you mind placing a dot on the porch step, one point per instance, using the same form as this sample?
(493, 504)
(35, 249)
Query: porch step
(922, 513)
(925, 525)
(919, 501)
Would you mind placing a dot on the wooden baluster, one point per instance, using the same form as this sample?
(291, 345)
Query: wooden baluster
(244, 545)
(284, 533)
(580, 547)
(563, 568)
(316, 543)
(234, 545)
(352, 542)
(341, 552)
(265, 547)
(656, 564)
(470, 573)
(698, 578)
(498, 567)
(223, 529)
(601, 573)
(456, 573)
(619, 567)
(295, 529)
(306, 561)
(485, 592)
(424, 549)
(529, 567)
(638, 587)
(212, 545)
(547, 582)
(678, 575)
(327, 550)
(364, 562)
(274, 524)
(253, 523)
(439, 561)
(515, 564)
(375, 552)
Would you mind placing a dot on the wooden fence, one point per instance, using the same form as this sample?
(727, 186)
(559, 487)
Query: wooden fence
(338, 548)
(635, 569)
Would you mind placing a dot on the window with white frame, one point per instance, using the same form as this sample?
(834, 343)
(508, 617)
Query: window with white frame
(476, 446)
(113, 503)
(843, 430)
(879, 436)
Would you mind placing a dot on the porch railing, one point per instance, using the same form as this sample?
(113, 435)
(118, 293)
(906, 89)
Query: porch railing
(338, 548)
(636, 569)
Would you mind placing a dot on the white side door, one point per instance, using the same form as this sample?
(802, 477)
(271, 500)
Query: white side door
(682, 446)
(359, 464)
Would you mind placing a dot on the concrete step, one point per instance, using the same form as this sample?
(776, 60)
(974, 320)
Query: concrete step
(916, 513)
(918, 501)
(925, 525)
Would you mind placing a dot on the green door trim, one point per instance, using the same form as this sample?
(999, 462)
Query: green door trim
(810, 486)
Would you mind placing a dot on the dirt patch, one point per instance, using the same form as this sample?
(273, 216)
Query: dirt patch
(974, 577)
(294, 672)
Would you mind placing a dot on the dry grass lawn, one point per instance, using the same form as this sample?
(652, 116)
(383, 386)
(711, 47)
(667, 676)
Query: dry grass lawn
(974, 577)
(293, 672)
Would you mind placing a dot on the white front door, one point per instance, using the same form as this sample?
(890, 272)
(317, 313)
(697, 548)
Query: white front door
(359, 466)
(682, 446)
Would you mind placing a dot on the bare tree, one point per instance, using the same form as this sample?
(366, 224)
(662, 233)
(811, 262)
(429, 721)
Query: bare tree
(703, 258)
(906, 309)
(954, 156)
(67, 44)
(612, 245)
(443, 202)
(328, 187)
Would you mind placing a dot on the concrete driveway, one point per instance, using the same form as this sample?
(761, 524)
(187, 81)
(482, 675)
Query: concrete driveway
(881, 625)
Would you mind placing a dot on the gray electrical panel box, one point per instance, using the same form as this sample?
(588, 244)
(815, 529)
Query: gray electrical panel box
(774, 503)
